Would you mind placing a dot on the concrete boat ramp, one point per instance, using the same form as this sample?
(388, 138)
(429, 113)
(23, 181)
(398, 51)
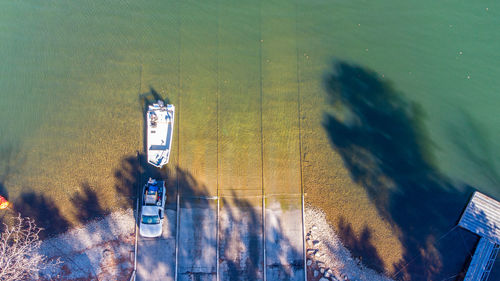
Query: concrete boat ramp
(197, 241)
(156, 256)
(226, 238)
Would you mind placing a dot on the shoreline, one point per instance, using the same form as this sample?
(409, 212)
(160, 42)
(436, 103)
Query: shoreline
(327, 257)
(99, 249)
(104, 249)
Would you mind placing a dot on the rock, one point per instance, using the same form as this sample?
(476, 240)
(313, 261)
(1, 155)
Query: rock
(309, 262)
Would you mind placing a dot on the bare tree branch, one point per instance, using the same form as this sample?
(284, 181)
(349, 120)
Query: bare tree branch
(20, 258)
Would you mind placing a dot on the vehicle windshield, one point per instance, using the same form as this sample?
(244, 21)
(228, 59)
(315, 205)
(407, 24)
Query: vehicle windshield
(150, 219)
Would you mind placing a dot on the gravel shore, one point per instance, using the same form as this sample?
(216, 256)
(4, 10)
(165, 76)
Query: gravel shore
(327, 258)
(99, 250)
(103, 250)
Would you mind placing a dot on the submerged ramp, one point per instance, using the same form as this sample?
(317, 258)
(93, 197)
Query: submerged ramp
(482, 217)
(197, 257)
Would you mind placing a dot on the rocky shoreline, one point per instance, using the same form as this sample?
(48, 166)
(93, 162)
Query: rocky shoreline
(327, 258)
(99, 250)
(103, 250)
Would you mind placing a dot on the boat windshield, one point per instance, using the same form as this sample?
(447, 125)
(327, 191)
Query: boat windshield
(150, 219)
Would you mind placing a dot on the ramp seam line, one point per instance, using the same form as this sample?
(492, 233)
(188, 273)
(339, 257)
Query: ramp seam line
(178, 143)
(262, 149)
(217, 93)
(299, 115)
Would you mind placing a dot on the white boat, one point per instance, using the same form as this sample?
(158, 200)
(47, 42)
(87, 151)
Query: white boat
(160, 126)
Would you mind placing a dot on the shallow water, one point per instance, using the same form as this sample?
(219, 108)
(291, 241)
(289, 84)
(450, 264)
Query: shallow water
(71, 76)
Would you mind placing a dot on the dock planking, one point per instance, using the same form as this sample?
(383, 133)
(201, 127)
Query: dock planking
(482, 217)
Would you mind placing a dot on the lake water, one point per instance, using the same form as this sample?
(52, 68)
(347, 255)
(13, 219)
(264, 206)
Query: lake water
(71, 75)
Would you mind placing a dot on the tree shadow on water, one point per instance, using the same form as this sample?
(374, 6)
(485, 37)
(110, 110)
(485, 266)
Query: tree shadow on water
(5, 194)
(88, 205)
(133, 173)
(44, 211)
(151, 97)
(9, 160)
(362, 247)
(383, 143)
(3, 191)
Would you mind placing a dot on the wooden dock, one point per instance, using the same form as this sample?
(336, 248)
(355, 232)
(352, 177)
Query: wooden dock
(482, 217)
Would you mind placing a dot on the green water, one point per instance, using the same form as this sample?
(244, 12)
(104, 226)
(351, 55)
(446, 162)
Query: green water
(71, 74)
(439, 54)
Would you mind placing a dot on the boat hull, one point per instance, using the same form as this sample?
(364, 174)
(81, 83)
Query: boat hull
(160, 128)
